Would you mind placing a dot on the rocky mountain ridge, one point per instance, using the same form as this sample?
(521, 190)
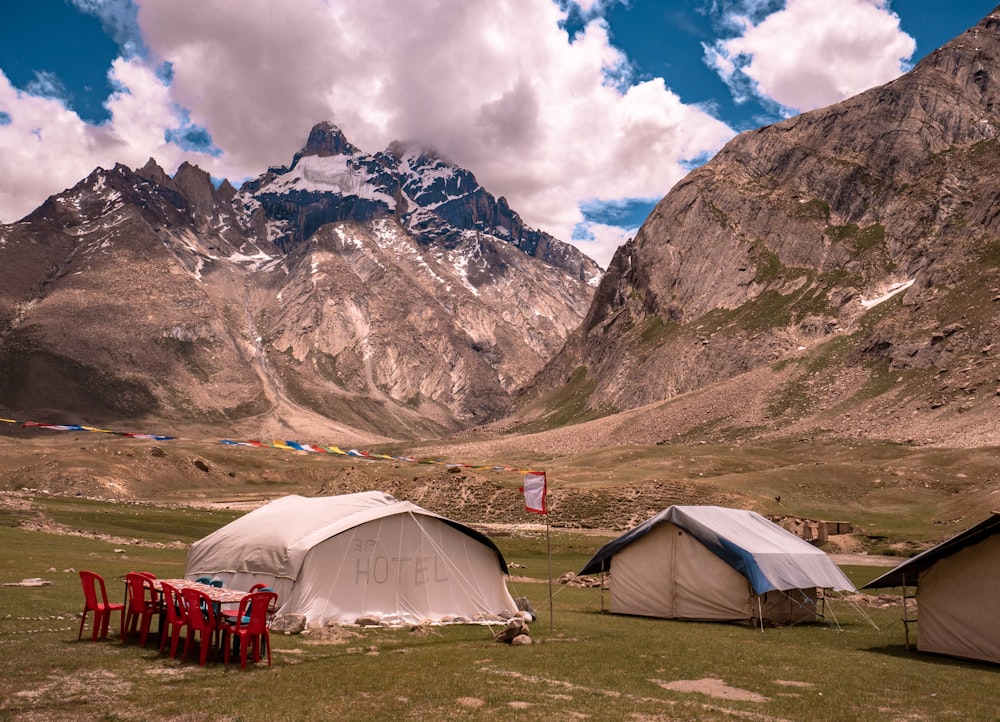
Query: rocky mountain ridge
(330, 180)
(850, 255)
(309, 298)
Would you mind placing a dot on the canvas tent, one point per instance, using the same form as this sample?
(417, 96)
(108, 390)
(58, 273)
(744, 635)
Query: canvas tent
(958, 584)
(715, 564)
(340, 558)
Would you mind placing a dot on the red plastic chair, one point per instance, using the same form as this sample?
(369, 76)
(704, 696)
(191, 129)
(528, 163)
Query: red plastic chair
(143, 604)
(201, 620)
(176, 612)
(101, 607)
(249, 628)
(230, 615)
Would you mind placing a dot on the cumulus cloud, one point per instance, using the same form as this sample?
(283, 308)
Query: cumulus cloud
(541, 118)
(601, 240)
(47, 85)
(118, 19)
(811, 53)
(45, 148)
(34, 125)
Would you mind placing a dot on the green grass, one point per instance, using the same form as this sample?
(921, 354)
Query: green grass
(655, 330)
(589, 665)
(568, 404)
(815, 209)
(768, 265)
(150, 523)
(772, 307)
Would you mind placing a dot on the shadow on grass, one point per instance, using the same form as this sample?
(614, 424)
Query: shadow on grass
(943, 660)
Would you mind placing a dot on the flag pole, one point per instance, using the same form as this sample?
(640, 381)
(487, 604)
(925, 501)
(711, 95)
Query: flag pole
(548, 549)
(535, 489)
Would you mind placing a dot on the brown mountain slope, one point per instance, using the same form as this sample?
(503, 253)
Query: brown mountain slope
(351, 295)
(779, 255)
(112, 326)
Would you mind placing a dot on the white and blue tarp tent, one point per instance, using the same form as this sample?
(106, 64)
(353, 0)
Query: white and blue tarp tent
(712, 563)
(364, 555)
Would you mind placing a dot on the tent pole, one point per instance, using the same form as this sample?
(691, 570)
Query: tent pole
(548, 547)
(760, 612)
(906, 619)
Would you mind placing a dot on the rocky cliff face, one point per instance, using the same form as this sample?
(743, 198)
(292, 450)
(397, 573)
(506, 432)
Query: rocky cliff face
(330, 181)
(861, 239)
(389, 294)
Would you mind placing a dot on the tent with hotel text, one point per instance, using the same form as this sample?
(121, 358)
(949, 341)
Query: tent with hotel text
(341, 558)
(715, 564)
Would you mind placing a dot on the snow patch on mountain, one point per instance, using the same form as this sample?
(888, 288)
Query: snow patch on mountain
(346, 175)
(889, 293)
(461, 266)
(431, 182)
(253, 263)
(348, 241)
(389, 236)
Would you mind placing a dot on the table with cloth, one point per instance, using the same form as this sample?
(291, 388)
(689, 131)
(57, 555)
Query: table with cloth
(218, 596)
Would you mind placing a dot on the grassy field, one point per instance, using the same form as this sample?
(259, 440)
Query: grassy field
(898, 498)
(589, 665)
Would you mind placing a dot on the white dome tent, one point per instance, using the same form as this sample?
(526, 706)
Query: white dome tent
(365, 555)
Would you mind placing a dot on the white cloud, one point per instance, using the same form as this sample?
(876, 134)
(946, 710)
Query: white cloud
(601, 241)
(45, 148)
(118, 21)
(47, 85)
(588, 7)
(496, 87)
(813, 53)
(142, 110)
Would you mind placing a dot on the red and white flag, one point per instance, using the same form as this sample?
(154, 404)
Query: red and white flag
(534, 490)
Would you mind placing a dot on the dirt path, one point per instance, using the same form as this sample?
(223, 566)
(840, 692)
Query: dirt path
(865, 560)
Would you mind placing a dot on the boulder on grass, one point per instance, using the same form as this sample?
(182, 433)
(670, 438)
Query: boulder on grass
(288, 624)
(516, 627)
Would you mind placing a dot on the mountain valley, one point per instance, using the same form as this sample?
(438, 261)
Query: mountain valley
(814, 307)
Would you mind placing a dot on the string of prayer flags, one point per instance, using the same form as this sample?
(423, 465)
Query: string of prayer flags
(81, 427)
(289, 445)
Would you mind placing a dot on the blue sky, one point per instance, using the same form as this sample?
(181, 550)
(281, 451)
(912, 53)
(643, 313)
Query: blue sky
(666, 39)
(583, 114)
